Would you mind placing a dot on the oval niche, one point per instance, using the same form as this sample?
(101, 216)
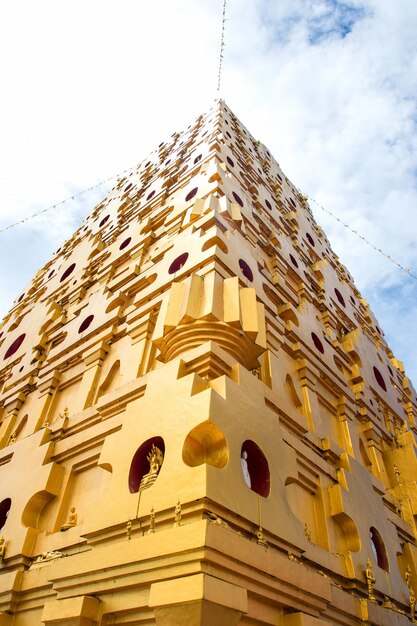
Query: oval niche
(146, 464)
(255, 468)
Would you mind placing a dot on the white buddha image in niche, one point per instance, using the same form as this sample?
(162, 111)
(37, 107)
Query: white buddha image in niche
(245, 470)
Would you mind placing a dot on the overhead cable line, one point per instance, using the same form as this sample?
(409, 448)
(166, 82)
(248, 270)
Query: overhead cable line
(120, 174)
(355, 232)
(222, 41)
(53, 206)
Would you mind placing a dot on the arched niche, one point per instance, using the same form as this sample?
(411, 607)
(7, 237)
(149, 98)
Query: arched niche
(205, 444)
(255, 468)
(378, 549)
(292, 392)
(141, 466)
(110, 382)
(4, 511)
(34, 508)
(364, 454)
(306, 504)
(348, 536)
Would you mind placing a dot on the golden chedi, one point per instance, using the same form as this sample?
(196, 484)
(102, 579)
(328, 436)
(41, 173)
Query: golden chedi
(201, 420)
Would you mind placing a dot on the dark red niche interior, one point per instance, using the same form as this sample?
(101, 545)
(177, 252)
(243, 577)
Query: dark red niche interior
(178, 263)
(246, 270)
(379, 378)
(198, 158)
(310, 239)
(1, 334)
(257, 467)
(51, 273)
(129, 186)
(150, 195)
(147, 164)
(86, 323)
(228, 134)
(352, 299)
(238, 198)
(378, 330)
(190, 195)
(230, 161)
(340, 297)
(293, 203)
(125, 243)
(67, 272)
(390, 371)
(168, 162)
(21, 297)
(4, 511)
(378, 549)
(268, 204)
(317, 343)
(14, 347)
(140, 464)
(293, 260)
(104, 220)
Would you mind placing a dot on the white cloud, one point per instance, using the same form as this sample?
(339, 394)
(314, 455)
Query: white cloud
(330, 86)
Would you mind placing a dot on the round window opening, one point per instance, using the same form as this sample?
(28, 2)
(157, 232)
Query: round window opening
(104, 220)
(86, 323)
(125, 243)
(340, 297)
(268, 204)
(238, 199)
(15, 346)
(177, 264)
(190, 195)
(379, 378)
(67, 272)
(255, 468)
(246, 270)
(146, 464)
(317, 343)
(230, 161)
(293, 260)
(4, 511)
(378, 549)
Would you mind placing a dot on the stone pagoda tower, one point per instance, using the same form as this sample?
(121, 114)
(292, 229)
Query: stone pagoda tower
(201, 422)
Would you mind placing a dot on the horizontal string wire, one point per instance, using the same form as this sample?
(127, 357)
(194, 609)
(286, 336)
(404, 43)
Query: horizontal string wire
(355, 232)
(120, 174)
(222, 42)
(53, 206)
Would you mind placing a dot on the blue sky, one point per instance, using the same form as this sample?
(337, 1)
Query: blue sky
(329, 86)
